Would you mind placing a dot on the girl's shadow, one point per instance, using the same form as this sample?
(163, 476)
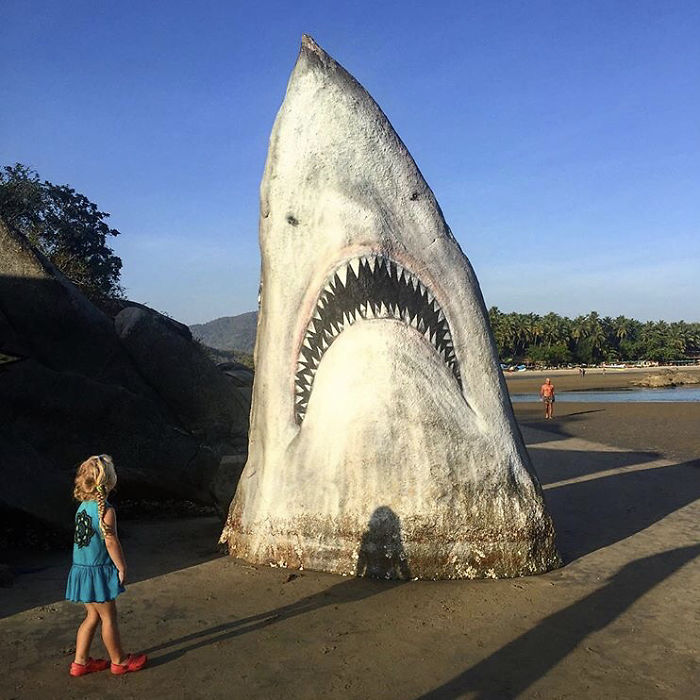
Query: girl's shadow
(381, 555)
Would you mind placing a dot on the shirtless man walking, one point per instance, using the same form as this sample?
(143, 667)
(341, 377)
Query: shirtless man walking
(547, 395)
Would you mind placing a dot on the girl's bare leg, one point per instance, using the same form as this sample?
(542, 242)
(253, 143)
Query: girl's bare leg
(86, 632)
(110, 631)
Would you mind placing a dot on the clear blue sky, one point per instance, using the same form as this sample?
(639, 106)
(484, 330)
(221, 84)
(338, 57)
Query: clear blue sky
(562, 139)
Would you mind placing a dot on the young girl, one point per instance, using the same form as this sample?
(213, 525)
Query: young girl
(99, 569)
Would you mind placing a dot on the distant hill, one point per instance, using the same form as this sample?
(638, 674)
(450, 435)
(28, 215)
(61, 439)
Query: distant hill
(228, 332)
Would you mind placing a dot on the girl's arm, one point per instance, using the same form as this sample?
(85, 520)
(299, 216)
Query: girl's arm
(114, 547)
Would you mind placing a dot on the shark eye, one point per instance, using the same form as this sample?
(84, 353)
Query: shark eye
(292, 220)
(370, 287)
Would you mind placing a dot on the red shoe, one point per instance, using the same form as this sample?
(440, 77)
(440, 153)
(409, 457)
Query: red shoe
(134, 662)
(90, 666)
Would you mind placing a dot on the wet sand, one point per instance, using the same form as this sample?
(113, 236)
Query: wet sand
(618, 620)
(670, 429)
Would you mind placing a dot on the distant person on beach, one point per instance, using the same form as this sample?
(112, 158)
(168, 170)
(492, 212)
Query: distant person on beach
(547, 395)
(99, 570)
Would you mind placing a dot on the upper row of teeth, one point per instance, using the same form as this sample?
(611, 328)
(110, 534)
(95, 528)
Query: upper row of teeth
(394, 268)
(380, 310)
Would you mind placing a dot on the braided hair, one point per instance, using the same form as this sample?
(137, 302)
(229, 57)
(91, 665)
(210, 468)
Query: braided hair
(94, 480)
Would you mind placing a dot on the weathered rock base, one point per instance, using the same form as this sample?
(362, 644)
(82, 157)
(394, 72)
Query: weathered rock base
(417, 552)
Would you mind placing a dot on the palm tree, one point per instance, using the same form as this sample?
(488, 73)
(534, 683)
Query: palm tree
(579, 329)
(535, 329)
(677, 337)
(553, 329)
(621, 327)
(595, 334)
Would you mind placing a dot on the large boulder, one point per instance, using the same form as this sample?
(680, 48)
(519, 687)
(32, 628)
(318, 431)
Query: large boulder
(32, 483)
(9, 340)
(203, 397)
(67, 416)
(54, 322)
(73, 388)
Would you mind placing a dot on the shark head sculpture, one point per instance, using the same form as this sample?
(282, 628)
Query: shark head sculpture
(381, 429)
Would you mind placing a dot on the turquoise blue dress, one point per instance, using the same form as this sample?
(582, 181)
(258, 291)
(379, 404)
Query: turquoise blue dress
(93, 578)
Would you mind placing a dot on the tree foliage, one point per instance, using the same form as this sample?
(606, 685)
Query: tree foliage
(590, 339)
(64, 225)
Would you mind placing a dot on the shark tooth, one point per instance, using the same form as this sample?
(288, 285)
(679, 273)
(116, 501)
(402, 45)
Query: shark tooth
(342, 274)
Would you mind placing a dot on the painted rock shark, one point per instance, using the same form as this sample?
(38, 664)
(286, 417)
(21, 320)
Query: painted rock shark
(382, 439)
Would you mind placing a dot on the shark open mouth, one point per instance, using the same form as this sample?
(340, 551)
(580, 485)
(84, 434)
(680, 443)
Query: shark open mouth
(369, 287)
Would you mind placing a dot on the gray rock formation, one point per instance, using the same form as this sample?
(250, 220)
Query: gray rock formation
(203, 397)
(57, 325)
(148, 395)
(382, 438)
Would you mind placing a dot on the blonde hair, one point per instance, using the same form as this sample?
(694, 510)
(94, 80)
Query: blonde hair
(95, 478)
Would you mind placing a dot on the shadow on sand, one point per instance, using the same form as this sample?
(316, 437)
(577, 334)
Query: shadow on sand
(596, 513)
(548, 430)
(153, 548)
(381, 556)
(588, 515)
(519, 664)
(555, 464)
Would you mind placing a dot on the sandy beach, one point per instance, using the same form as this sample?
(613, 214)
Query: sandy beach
(619, 619)
(595, 379)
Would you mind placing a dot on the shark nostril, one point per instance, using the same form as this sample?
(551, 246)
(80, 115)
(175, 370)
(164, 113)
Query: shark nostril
(292, 220)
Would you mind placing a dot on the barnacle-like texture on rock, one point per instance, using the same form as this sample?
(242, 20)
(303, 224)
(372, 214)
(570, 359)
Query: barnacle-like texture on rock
(382, 440)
